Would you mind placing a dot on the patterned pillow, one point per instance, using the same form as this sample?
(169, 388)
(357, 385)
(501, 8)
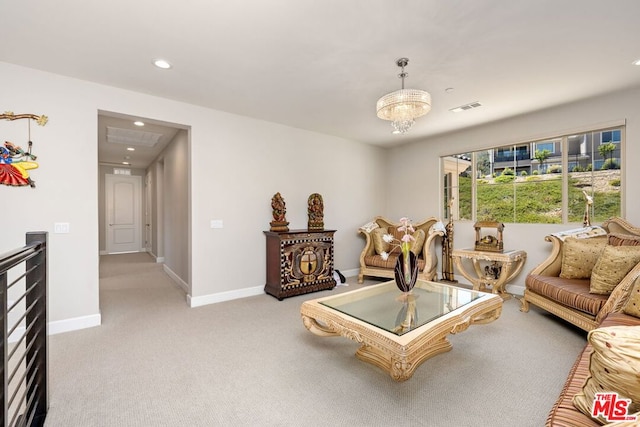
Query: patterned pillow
(632, 306)
(579, 256)
(614, 367)
(614, 263)
(378, 242)
(616, 239)
(418, 244)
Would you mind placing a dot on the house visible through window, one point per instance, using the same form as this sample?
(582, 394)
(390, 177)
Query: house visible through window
(610, 136)
(544, 181)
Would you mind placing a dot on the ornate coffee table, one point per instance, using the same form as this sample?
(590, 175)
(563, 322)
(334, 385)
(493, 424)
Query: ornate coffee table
(399, 332)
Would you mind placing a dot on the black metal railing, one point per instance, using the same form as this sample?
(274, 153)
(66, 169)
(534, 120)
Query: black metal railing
(509, 157)
(23, 296)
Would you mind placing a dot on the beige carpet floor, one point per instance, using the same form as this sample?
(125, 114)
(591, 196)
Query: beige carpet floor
(250, 362)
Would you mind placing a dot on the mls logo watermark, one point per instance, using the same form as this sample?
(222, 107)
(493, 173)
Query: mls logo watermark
(611, 407)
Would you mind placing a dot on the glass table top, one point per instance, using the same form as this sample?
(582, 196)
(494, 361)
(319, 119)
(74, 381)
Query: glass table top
(386, 307)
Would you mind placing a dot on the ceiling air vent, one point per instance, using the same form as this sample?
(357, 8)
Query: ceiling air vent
(132, 137)
(465, 107)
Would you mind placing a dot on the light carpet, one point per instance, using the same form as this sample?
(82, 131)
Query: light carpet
(156, 362)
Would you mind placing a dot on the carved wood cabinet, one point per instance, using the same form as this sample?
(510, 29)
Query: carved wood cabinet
(299, 262)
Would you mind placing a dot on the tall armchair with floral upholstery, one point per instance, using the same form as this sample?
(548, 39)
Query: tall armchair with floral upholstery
(376, 264)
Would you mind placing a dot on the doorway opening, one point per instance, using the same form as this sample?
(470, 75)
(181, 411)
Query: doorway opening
(145, 192)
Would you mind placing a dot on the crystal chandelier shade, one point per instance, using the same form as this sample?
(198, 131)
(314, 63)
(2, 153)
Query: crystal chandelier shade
(403, 106)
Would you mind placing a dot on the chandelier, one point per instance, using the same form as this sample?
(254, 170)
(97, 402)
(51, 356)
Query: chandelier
(403, 106)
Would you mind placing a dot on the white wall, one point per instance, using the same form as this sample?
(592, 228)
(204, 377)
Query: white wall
(175, 205)
(237, 164)
(420, 162)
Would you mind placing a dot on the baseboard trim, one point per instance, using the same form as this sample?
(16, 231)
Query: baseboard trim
(158, 259)
(350, 273)
(510, 289)
(224, 296)
(515, 289)
(184, 285)
(123, 252)
(74, 324)
(61, 326)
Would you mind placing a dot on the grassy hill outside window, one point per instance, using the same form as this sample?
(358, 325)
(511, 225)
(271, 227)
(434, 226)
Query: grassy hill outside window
(544, 181)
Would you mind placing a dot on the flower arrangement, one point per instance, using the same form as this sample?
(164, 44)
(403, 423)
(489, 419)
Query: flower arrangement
(406, 269)
(405, 242)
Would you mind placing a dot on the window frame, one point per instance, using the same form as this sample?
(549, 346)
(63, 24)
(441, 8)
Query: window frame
(563, 141)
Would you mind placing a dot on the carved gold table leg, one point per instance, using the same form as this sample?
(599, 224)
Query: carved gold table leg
(402, 367)
(318, 328)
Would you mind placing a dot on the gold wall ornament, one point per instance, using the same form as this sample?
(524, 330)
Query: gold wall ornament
(14, 161)
(40, 120)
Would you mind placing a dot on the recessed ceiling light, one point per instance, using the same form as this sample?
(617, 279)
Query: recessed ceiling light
(126, 163)
(131, 149)
(161, 63)
(138, 123)
(636, 62)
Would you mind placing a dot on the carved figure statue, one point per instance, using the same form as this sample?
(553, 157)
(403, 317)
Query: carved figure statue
(279, 211)
(315, 210)
(447, 248)
(279, 208)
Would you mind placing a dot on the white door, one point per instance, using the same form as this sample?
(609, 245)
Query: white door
(147, 214)
(123, 213)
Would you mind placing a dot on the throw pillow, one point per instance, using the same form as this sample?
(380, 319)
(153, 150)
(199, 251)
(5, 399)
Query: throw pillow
(579, 256)
(418, 244)
(616, 239)
(614, 263)
(378, 242)
(632, 306)
(613, 367)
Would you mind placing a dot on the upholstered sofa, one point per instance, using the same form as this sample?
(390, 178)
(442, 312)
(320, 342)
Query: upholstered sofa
(564, 285)
(372, 262)
(565, 413)
(568, 295)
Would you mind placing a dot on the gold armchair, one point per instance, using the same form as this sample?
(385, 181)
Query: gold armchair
(372, 263)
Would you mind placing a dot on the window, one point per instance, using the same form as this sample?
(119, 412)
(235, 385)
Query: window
(547, 181)
(610, 136)
(550, 146)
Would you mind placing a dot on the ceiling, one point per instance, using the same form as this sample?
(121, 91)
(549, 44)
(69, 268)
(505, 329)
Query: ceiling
(122, 143)
(321, 65)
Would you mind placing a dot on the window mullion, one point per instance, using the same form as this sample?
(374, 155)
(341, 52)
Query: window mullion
(474, 183)
(564, 144)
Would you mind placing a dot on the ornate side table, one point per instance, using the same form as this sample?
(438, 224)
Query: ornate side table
(490, 269)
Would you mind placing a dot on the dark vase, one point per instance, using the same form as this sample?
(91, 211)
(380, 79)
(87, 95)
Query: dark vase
(406, 272)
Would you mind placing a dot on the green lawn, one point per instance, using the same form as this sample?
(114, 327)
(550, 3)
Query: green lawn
(536, 201)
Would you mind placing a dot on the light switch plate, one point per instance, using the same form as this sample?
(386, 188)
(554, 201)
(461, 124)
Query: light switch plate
(61, 227)
(217, 223)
